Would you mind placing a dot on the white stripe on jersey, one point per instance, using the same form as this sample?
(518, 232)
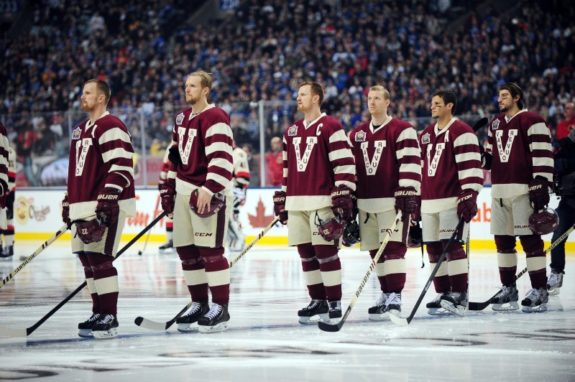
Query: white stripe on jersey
(339, 154)
(114, 134)
(467, 157)
(218, 146)
(222, 163)
(223, 181)
(116, 153)
(220, 128)
(466, 139)
(407, 151)
(127, 169)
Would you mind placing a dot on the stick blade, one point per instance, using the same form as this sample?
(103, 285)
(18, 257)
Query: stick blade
(330, 327)
(149, 324)
(9, 332)
(478, 305)
(480, 124)
(398, 320)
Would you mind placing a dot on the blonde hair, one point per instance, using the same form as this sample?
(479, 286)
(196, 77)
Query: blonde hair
(206, 78)
(381, 89)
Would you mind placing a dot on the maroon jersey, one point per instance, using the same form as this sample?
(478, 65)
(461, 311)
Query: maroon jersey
(317, 157)
(521, 150)
(204, 141)
(451, 163)
(101, 156)
(4, 149)
(385, 158)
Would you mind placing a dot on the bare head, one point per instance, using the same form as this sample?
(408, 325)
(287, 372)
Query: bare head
(309, 97)
(95, 95)
(443, 104)
(198, 87)
(510, 98)
(378, 100)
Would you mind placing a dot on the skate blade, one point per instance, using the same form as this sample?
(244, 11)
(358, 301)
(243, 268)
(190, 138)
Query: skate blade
(105, 334)
(438, 312)
(536, 309)
(213, 329)
(313, 320)
(378, 316)
(187, 328)
(459, 311)
(85, 333)
(507, 307)
(554, 291)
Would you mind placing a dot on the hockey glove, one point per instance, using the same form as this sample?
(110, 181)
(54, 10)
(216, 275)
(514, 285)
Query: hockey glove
(408, 202)
(107, 209)
(168, 196)
(539, 193)
(342, 203)
(280, 206)
(174, 156)
(467, 205)
(66, 211)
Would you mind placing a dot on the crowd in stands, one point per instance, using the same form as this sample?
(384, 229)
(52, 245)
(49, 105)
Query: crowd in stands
(264, 49)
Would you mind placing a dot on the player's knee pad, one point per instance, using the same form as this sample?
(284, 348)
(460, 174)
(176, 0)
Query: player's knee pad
(212, 255)
(83, 259)
(505, 243)
(394, 250)
(306, 252)
(326, 253)
(190, 257)
(372, 254)
(101, 264)
(531, 243)
(434, 250)
(455, 251)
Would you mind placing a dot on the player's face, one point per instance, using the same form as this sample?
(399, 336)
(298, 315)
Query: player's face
(89, 98)
(505, 100)
(376, 103)
(438, 108)
(304, 99)
(194, 90)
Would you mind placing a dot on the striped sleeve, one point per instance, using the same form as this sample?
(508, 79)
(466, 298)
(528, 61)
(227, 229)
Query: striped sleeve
(117, 151)
(4, 148)
(342, 159)
(468, 161)
(539, 138)
(167, 167)
(408, 155)
(285, 164)
(11, 169)
(219, 153)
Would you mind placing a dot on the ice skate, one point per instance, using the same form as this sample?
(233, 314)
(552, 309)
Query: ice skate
(215, 320)
(387, 304)
(105, 327)
(196, 311)
(454, 302)
(506, 299)
(314, 308)
(377, 312)
(6, 253)
(168, 246)
(554, 282)
(535, 301)
(85, 328)
(334, 312)
(434, 307)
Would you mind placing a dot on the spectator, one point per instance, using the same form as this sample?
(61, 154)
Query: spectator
(274, 163)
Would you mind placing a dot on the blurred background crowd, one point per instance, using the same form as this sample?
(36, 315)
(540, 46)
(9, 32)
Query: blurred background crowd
(259, 51)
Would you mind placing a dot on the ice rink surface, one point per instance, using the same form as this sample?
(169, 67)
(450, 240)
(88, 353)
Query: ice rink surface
(265, 341)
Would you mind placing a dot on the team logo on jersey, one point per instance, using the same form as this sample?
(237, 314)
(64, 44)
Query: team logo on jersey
(179, 119)
(76, 133)
(426, 138)
(292, 131)
(360, 136)
(495, 124)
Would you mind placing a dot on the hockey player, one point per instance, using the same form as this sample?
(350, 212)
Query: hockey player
(167, 167)
(451, 179)
(8, 250)
(100, 195)
(241, 181)
(318, 181)
(198, 195)
(4, 182)
(519, 154)
(388, 166)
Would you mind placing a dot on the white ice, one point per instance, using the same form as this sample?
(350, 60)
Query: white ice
(264, 341)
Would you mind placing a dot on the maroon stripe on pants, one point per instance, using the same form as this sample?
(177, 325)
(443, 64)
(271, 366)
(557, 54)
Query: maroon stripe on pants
(459, 283)
(90, 275)
(309, 263)
(396, 281)
(329, 261)
(192, 261)
(102, 267)
(214, 261)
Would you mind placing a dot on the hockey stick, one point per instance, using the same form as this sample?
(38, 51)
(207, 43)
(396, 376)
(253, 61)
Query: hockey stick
(480, 124)
(155, 325)
(485, 304)
(336, 327)
(150, 231)
(25, 332)
(405, 321)
(44, 245)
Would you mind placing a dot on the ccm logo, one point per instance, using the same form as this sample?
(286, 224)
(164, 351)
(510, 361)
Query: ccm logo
(203, 234)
